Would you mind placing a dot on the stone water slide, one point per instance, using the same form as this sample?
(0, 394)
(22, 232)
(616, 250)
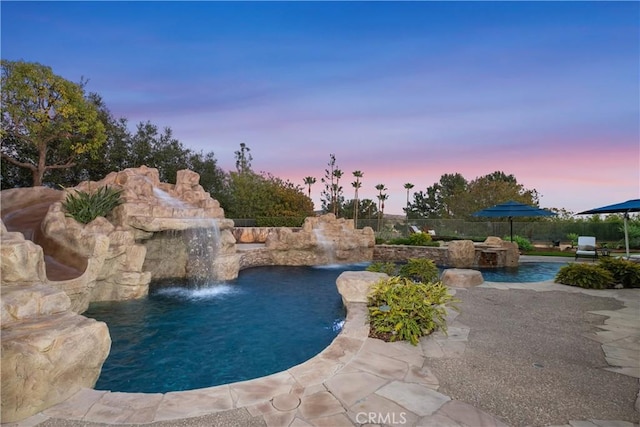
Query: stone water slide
(26, 218)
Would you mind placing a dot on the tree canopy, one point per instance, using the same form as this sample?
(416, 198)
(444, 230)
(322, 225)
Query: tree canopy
(47, 121)
(253, 195)
(455, 197)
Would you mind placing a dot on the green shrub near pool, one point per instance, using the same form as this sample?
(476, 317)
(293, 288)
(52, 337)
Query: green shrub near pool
(607, 273)
(401, 309)
(410, 304)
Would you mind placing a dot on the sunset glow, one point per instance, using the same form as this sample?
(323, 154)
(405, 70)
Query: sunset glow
(402, 91)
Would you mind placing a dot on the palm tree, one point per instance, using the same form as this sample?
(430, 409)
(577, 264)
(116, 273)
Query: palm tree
(356, 184)
(309, 181)
(408, 186)
(381, 198)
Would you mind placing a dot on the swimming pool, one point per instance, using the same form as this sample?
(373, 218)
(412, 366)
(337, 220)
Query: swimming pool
(266, 321)
(526, 272)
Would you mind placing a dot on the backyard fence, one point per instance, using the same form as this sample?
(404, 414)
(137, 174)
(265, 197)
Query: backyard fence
(539, 231)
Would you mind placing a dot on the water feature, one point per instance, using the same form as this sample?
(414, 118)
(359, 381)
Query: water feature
(167, 199)
(267, 320)
(325, 244)
(203, 243)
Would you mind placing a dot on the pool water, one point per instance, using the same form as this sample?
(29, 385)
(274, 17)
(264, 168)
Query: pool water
(526, 272)
(266, 321)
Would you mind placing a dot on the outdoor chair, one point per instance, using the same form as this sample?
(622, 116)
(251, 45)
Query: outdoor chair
(587, 247)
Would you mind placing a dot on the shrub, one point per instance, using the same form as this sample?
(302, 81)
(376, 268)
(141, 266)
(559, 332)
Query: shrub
(419, 239)
(281, 221)
(588, 276)
(624, 271)
(399, 241)
(420, 270)
(389, 268)
(400, 309)
(633, 231)
(523, 243)
(415, 239)
(573, 237)
(85, 207)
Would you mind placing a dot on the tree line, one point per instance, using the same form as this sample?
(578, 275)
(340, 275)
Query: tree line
(54, 133)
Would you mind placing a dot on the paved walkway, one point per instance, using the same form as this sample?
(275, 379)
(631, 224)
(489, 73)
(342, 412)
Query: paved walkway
(355, 381)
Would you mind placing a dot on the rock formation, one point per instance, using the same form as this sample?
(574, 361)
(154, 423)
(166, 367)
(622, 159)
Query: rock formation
(321, 240)
(48, 351)
(355, 286)
(461, 254)
(149, 234)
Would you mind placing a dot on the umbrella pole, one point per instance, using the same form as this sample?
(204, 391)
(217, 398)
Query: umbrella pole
(511, 227)
(626, 235)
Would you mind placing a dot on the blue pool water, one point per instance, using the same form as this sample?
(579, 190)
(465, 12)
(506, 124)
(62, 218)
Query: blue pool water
(525, 272)
(266, 321)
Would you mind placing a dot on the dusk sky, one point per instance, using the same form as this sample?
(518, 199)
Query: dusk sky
(402, 91)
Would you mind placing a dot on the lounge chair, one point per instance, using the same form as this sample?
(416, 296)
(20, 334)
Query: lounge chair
(413, 229)
(587, 247)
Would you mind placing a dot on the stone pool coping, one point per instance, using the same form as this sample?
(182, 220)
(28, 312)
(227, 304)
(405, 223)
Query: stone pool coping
(354, 375)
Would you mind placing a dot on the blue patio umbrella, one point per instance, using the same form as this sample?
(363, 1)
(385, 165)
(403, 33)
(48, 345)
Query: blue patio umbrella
(627, 207)
(512, 209)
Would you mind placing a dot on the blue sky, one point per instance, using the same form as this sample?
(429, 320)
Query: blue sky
(402, 91)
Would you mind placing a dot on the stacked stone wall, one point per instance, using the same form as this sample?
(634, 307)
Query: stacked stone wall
(457, 254)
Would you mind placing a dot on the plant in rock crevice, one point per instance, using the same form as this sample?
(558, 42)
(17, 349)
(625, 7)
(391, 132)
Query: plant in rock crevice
(84, 207)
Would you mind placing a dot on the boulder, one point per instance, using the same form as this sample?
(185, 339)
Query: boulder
(20, 260)
(48, 352)
(461, 278)
(461, 253)
(354, 286)
(493, 241)
(251, 234)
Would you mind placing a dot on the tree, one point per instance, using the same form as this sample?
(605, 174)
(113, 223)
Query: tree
(337, 192)
(113, 155)
(366, 209)
(309, 181)
(286, 199)
(356, 185)
(46, 120)
(439, 200)
(253, 195)
(330, 187)
(454, 197)
(381, 198)
(243, 158)
(408, 186)
(212, 177)
(492, 189)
